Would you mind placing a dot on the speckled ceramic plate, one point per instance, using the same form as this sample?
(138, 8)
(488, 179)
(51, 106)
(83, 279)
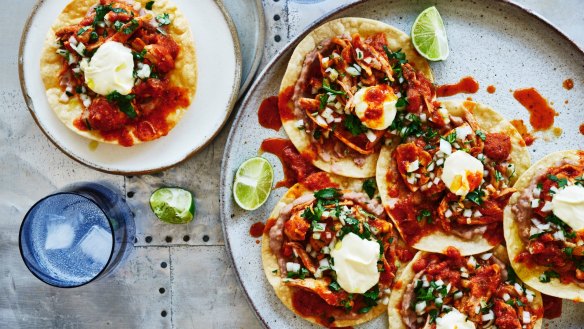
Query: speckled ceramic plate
(218, 81)
(251, 29)
(496, 42)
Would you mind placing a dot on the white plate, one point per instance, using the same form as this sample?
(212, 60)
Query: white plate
(218, 80)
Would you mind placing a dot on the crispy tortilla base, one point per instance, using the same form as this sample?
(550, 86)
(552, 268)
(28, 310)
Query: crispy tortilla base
(365, 27)
(490, 121)
(184, 74)
(395, 301)
(270, 262)
(515, 245)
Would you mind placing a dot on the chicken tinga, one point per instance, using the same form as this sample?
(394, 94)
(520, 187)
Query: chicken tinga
(329, 251)
(544, 225)
(119, 71)
(446, 178)
(342, 89)
(437, 291)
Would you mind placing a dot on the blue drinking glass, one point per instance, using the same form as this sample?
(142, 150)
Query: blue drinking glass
(80, 234)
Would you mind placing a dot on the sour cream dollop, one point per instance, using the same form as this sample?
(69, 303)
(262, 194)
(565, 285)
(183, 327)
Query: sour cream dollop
(355, 262)
(462, 173)
(111, 69)
(568, 205)
(454, 320)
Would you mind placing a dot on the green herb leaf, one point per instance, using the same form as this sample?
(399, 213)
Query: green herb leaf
(323, 101)
(364, 310)
(451, 138)
(93, 37)
(118, 25)
(149, 5)
(100, 12)
(562, 182)
(354, 125)
(163, 19)
(369, 186)
(124, 103)
(568, 251)
(139, 56)
(548, 275)
(82, 30)
(334, 286)
(317, 133)
(476, 196)
(498, 176)
(130, 27)
(401, 102)
(328, 193)
(327, 87)
(481, 135)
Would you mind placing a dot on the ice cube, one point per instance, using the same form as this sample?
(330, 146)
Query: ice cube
(97, 244)
(59, 236)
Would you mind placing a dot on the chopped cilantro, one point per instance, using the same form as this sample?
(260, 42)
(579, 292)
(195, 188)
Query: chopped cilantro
(334, 286)
(433, 315)
(537, 235)
(124, 102)
(424, 214)
(498, 176)
(149, 5)
(93, 36)
(328, 193)
(548, 275)
(82, 30)
(118, 25)
(568, 251)
(481, 135)
(100, 12)
(323, 101)
(139, 56)
(301, 274)
(401, 102)
(369, 186)
(365, 309)
(327, 87)
(119, 10)
(450, 138)
(476, 196)
(163, 19)
(317, 133)
(131, 27)
(354, 125)
(562, 182)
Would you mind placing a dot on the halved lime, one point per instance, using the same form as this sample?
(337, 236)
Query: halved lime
(173, 205)
(253, 183)
(429, 35)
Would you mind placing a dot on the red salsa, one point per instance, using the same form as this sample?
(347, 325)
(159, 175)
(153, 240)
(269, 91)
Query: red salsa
(467, 85)
(268, 115)
(541, 114)
(296, 167)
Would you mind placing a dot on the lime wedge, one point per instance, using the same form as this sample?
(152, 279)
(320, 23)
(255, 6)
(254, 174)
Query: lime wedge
(253, 183)
(429, 35)
(173, 205)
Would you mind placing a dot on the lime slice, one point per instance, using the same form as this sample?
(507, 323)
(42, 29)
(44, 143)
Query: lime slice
(173, 205)
(253, 183)
(429, 35)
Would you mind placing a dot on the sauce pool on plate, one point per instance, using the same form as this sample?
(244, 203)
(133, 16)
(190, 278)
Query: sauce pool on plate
(257, 229)
(568, 84)
(541, 114)
(491, 89)
(268, 115)
(522, 129)
(467, 85)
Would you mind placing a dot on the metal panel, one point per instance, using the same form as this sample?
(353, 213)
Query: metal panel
(205, 293)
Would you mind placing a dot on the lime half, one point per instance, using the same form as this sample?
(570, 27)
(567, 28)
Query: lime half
(173, 205)
(253, 183)
(429, 35)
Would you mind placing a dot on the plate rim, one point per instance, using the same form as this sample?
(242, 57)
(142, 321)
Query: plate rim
(233, 97)
(223, 188)
(248, 81)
